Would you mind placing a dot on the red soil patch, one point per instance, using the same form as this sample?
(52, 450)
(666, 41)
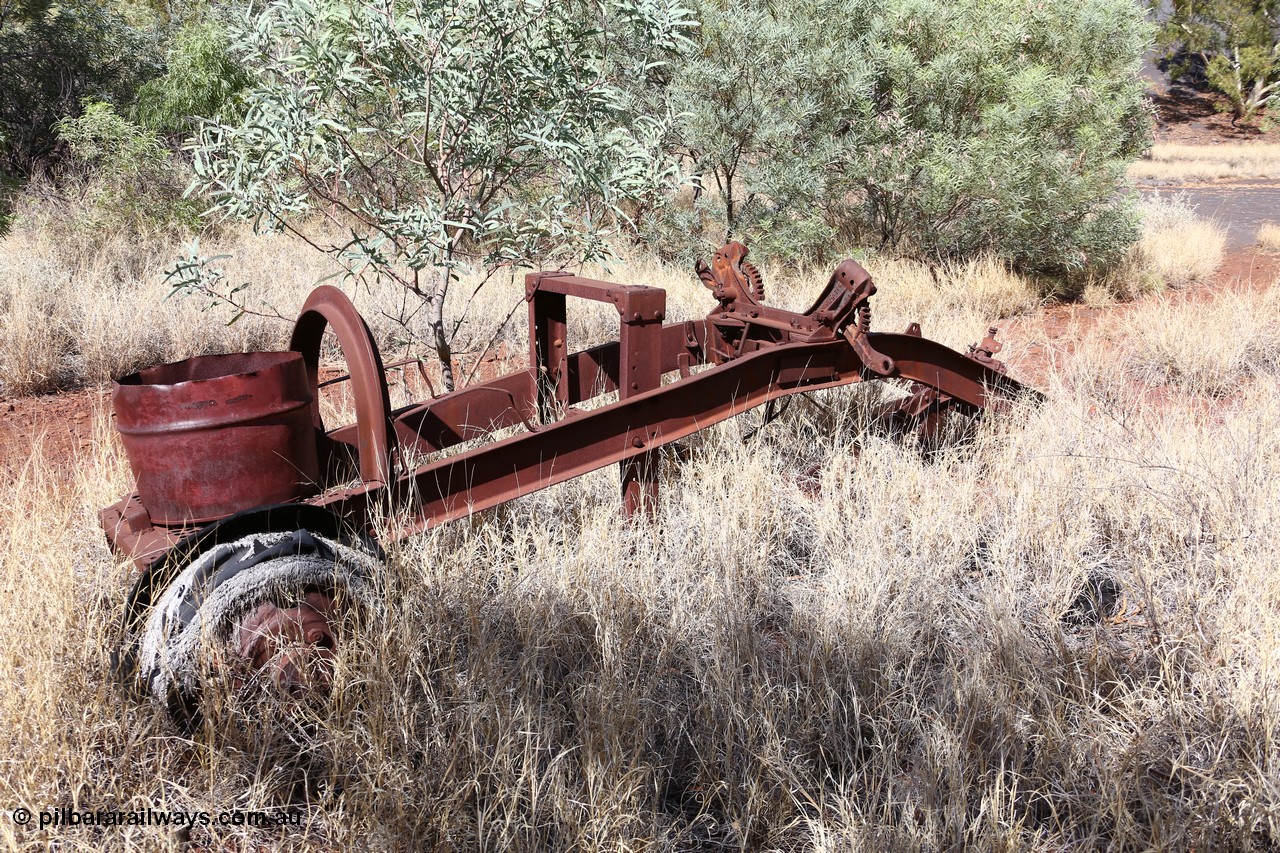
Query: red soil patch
(61, 424)
(1055, 331)
(1187, 117)
(1250, 268)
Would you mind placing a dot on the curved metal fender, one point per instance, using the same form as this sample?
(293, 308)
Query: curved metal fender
(327, 306)
(941, 367)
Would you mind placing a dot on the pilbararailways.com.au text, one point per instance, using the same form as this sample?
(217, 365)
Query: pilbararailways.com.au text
(65, 817)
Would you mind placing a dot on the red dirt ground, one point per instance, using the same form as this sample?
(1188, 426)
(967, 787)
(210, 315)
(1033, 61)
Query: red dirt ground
(1245, 269)
(62, 424)
(1059, 327)
(1187, 117)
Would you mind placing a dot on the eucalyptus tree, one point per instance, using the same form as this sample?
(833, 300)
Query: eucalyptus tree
(1235, 44)
(917, 126)
(438, 135)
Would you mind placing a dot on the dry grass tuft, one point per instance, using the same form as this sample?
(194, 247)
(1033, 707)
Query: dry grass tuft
(68, 321)
(1178, 164)
(1208, 347)
(1176, 249)
(1180, 247)
(952, 303)
(1269, 236)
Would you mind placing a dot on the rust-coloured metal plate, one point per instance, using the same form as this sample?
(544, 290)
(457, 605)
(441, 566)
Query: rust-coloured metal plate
(214, 435)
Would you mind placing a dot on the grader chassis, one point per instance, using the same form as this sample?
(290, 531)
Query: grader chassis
(241, 526)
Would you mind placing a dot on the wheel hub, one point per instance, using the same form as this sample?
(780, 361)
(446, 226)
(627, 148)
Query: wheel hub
(292, 646)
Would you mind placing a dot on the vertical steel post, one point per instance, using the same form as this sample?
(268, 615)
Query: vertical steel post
(639, 370)
(641, 311)
(548, 352)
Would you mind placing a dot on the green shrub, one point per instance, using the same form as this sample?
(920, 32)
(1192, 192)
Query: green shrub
(758, 114)
(940, 129)
(127, 177)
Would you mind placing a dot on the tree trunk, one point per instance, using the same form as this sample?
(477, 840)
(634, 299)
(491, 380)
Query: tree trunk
(435, 322)
(730, 213)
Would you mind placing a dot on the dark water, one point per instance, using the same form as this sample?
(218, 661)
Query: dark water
(1239, 208)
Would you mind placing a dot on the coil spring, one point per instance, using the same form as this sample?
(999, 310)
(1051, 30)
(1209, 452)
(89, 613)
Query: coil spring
(864, 318)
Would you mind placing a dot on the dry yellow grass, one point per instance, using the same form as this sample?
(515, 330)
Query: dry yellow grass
(1235, 336)
(1178, 164)
(906, 661)
(68, 322)
(68, 319)
(1269, 236)
(961, 302)
(909, 659)
(1176, 248)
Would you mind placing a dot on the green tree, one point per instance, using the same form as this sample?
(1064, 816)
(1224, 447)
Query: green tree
(54, 57)
(202, 79)
(943, 129)
(1234, 43)
(438, 134)
(1003, 126)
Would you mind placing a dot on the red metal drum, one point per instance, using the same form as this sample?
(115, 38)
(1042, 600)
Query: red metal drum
(217, 434)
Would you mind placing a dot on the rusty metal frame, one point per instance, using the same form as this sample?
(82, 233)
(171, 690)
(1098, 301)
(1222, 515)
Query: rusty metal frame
(757, 354)
(641, 311)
